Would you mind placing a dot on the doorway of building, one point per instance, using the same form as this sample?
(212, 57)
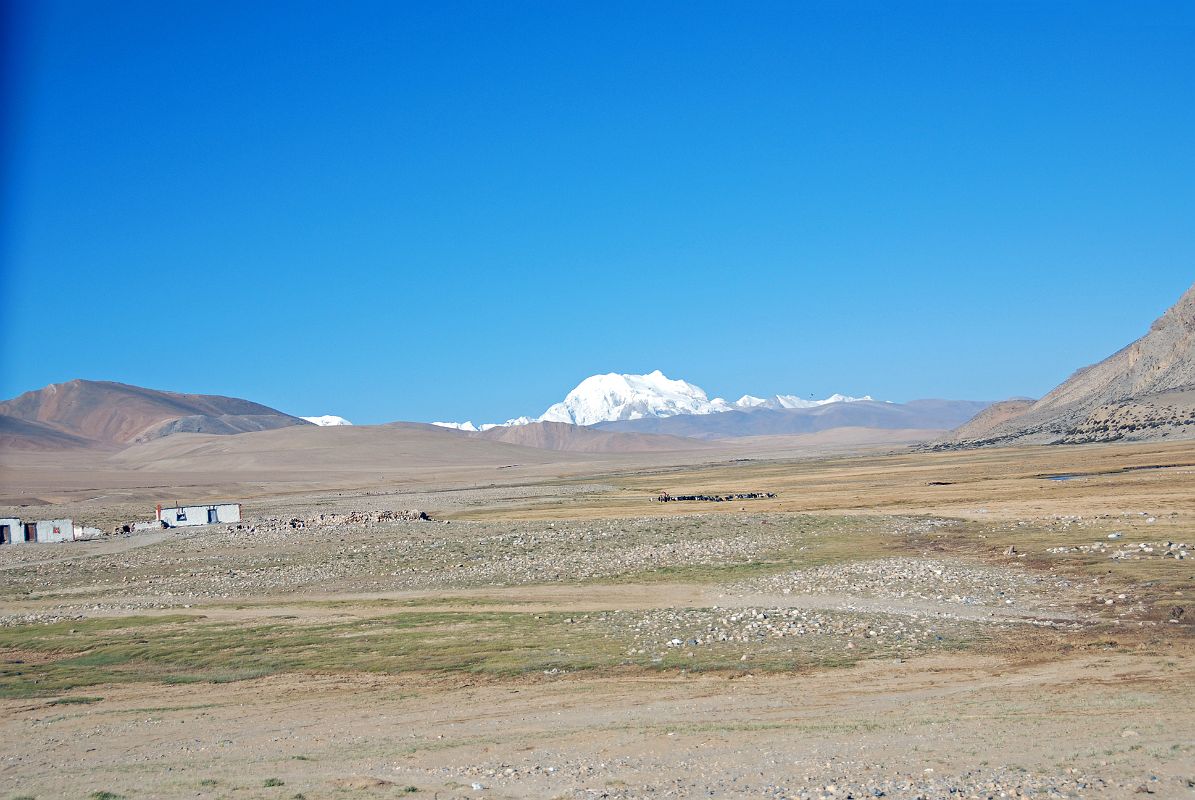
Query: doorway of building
(213, 516)
(31, 531)
(5, 534)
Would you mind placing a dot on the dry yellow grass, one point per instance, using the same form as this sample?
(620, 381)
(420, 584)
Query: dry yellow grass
(1158, 478)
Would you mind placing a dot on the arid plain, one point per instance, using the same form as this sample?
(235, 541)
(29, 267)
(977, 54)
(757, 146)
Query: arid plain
(975, 623)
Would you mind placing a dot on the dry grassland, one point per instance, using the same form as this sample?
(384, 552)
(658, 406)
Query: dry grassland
(950, 624)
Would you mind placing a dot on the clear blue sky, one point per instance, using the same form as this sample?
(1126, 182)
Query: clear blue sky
(449, 211)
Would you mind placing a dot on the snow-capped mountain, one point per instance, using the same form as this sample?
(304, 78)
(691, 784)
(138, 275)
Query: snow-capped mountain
(471, 428)
(603, 398)
(510, 423)
(781, 401)
(327, 420)
(467, 425)
(613, 397)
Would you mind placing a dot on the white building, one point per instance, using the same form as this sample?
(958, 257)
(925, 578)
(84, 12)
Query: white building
(14, 531)
(55, 530)
(186, 516)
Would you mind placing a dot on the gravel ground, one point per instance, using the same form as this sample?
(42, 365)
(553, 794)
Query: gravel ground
(767, 621)
(693, 778)
(1140, 551)
(940, 580)
(267, 557)
(763, 633)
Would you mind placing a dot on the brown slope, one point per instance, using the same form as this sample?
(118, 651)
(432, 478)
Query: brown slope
(561, 436)
(315, 450)
(993, 416)
(839, 439)
(1161, 361)
(1143, 392)
(24, 435)
(115, 413)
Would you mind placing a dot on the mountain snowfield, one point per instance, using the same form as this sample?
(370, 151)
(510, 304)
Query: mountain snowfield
(327, 420)
(613, 397)
(781, 401)
(466, 426)
(604, 398)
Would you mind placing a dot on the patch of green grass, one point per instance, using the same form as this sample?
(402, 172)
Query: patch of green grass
(77, 700)
(209, 782)
(800, 542)
(193, 650)
(102, 795)
(218, 676)
(273, 782)
(186, 649)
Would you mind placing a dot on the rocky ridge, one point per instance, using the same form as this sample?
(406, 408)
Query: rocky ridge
(1143, 392)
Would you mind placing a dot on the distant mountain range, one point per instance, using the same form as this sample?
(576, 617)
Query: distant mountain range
(620, 397)
(1145, 391)
(604, 413)
(656, 404)
(764, 421)
(107, 416)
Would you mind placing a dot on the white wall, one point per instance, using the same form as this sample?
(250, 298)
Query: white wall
(55, 530)
(191, 515)
(198, 515)
(229, 512)
(16, 530)
(84, 532)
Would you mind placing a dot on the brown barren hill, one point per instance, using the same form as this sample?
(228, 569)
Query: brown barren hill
(82, 413)
(991, 417)
(26, 435)
(564, 437)
(287, 452)
(1143, 392)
